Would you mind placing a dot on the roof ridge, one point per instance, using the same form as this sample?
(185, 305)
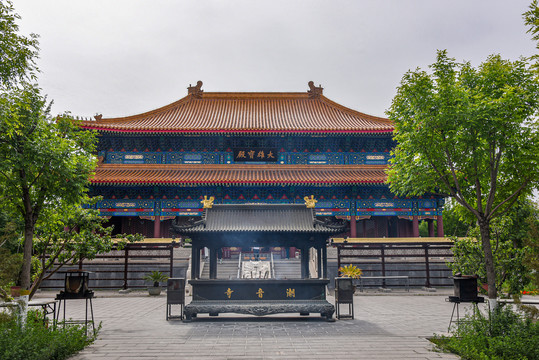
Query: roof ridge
(238, 167)
(355, 112)
(167, 107)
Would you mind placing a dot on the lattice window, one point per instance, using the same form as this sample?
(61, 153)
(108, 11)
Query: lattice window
(370, 230)
(381, 225)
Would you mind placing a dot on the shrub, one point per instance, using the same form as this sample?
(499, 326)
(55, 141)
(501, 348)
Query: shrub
(39, 342)
(506, 335)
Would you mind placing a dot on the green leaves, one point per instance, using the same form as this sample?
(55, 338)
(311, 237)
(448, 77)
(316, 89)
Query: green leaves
(45, 165)
(69, 234)
(17, 52)
(503, 334)
(48, 162)
(467, 133)
(470, 134)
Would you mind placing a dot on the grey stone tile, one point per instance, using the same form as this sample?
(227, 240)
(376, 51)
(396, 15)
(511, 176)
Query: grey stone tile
(386, 327)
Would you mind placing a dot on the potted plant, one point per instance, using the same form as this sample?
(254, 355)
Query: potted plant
(344, 287)
(156, 277)
(350, 271)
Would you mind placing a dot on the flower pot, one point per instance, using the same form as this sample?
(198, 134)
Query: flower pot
(15, 291)
(154, 290)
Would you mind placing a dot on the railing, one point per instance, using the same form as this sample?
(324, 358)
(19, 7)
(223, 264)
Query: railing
(313, 263)
(424, 263)
(239, 268)
(272, 268)
(122, 268)
(202, 262)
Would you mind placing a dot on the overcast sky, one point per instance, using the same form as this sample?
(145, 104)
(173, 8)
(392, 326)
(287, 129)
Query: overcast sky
(123, 57)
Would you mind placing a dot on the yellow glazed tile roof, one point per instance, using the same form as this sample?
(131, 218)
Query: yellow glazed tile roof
(238, 174)
(247, 113)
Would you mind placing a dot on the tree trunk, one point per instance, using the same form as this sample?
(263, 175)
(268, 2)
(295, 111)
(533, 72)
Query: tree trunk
(484, 227)
(27, 255)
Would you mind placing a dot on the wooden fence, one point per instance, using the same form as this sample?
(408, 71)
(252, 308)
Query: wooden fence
(425, 264)
(122, 268)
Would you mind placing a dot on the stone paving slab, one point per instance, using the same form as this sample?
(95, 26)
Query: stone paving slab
(387, 326)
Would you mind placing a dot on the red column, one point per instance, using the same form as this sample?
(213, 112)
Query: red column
(415, 225)
(431, 227)
(353, 227)
(157, 227)
(440, 226)
(292, 253)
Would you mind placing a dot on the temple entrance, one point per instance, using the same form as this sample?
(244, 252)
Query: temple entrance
(256, 289)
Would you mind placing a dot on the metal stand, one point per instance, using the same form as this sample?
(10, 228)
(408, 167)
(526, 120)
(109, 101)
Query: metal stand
(88, 299)
(338, 314)
(456, 301)
(174, 317)
(175, 296)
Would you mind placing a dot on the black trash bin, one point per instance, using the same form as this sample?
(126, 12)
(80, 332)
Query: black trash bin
(175, 296)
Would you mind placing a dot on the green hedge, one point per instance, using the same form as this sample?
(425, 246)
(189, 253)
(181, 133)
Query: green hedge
(506, 335)
(40, 342)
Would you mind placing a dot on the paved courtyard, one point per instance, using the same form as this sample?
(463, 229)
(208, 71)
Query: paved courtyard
(388, 326)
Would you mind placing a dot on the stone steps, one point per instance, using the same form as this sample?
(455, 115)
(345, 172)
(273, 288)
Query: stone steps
(228, 269)
(287, 269)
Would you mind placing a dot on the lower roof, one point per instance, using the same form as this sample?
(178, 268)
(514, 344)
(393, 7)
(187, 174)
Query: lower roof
(238, 174)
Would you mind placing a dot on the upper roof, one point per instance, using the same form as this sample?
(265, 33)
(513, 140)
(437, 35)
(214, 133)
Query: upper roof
(224, 112)
(238, 174)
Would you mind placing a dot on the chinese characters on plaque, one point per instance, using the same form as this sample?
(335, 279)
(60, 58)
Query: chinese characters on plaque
(255, 155)
(290, 293)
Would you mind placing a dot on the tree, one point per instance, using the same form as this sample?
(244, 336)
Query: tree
(17, 53)
(44, 163)
(470, 134)
(69, 235)
(511, 248)
(531, 19)
(455, 224)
